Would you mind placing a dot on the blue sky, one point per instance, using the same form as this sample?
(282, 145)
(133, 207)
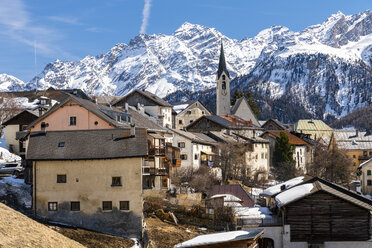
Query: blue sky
(73, 29)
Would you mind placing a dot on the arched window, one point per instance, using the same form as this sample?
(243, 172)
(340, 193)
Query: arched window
(223, 77)
(223, 85)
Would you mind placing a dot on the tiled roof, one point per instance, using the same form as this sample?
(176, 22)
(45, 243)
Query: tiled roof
(87, 144)
(293, 139)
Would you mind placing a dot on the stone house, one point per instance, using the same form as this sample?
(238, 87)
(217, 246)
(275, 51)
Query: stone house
(192, 112)
(90, 178)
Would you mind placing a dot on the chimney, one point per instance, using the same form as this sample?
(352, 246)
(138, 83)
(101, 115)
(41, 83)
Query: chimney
(126, 107)
(356, 133)
(132, 130)
(282, 187)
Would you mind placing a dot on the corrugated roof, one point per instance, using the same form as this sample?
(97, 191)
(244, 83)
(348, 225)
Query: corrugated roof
(87, 144)
(293, 139)
(314, 127)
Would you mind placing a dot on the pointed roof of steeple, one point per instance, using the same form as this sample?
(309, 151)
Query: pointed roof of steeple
(222, 63)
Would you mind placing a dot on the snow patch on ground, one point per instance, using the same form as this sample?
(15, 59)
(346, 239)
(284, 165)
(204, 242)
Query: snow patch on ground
(293, 194)
(5, 155)
(18, 188)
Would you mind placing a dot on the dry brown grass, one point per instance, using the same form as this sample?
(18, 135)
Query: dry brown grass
(165, 235)
(17, 230)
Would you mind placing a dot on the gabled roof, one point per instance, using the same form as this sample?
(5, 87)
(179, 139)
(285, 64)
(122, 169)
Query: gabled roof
(364, 163)
(276, 122)
(236, 190)
(222, 64)
(293, 139)
(208, 240)
(104, 112)
(251, 115)
(317, 128)
(352, 139)
(317, 184)
(23, 118)
(226, 122)
(141, 120)
(195, 137)
(152, 97)
(193, 102)
(87, 144)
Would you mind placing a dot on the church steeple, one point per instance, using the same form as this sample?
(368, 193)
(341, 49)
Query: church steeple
(222, 86)
(222, 64)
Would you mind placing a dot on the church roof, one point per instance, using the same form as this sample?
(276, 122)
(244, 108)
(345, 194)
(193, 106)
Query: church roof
(222, 64)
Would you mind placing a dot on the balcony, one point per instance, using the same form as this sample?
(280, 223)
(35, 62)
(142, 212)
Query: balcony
(364, 157)
(157, 151)
(176, 162)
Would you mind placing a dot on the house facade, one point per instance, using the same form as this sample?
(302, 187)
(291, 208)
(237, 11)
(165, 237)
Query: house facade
(366, 177)
(192, 112)
(196, 149)
(153, 105)
(300, 151)
(90, 178)
(15, 124)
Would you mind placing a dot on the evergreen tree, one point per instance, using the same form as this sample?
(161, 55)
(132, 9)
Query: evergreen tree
(284, 164)
(237, 94)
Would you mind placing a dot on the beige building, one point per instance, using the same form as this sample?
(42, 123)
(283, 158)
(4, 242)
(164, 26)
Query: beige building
(90, 178)
(15, 124)
(191, 113)
(366, 177)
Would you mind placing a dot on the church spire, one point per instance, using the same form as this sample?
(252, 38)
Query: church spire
(222, 63)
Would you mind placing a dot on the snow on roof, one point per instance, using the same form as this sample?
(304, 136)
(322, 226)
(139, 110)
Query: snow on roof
(222, 237)
(364, 163)
(232, 204)
(180, 107)
(253, 213)
(24, 103)
(227, 197)
(293, 194)
(277, 188)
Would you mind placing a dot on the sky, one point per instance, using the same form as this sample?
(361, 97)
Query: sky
(69, 30)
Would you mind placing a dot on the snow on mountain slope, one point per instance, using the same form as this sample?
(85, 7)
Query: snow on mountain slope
(10, 83)
(334, 57)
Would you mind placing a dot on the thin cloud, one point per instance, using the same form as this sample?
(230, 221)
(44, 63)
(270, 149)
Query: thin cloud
(146, 16)
(67, 20)
(16, 23)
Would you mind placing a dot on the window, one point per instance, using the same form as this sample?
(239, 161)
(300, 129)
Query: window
(203, 112)
(196, 156)
(301, 151)
(75, 206)
(183, 157)
(61, 144)
(43, 126)
(43, 102)
(365, 153)
(179, 121)
(368, 172)
(72, 120)
(118, 118)
(189, 112)
(116, 181)
(107, 205)
(61, 179)
(181, 144)
(124, 205)
(256, 156)
(191, 121)
(369, 182)
(224, 85)
(266, 155)
(262, 155)
(354, 156)
(223, 77)
(370, 153)
(96, 123)
(52, 206)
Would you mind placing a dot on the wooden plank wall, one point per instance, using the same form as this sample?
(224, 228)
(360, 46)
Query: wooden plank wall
(324, 217)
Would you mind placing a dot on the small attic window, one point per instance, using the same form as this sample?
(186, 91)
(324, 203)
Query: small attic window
(61, 144)
(223, 77)
(118, 118)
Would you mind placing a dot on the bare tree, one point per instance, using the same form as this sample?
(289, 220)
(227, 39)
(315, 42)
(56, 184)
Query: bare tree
(331, 164)
(9, 107)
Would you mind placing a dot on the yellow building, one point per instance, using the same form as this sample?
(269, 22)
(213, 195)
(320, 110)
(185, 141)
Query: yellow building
(90, 178)
(356, 144)
(316, 128)
(366, 177)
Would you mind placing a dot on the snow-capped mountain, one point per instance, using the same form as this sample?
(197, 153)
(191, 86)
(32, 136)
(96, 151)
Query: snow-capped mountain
(325, 69)
(10, 83)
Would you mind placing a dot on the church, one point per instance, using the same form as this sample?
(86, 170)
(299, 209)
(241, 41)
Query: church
(241, 107)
